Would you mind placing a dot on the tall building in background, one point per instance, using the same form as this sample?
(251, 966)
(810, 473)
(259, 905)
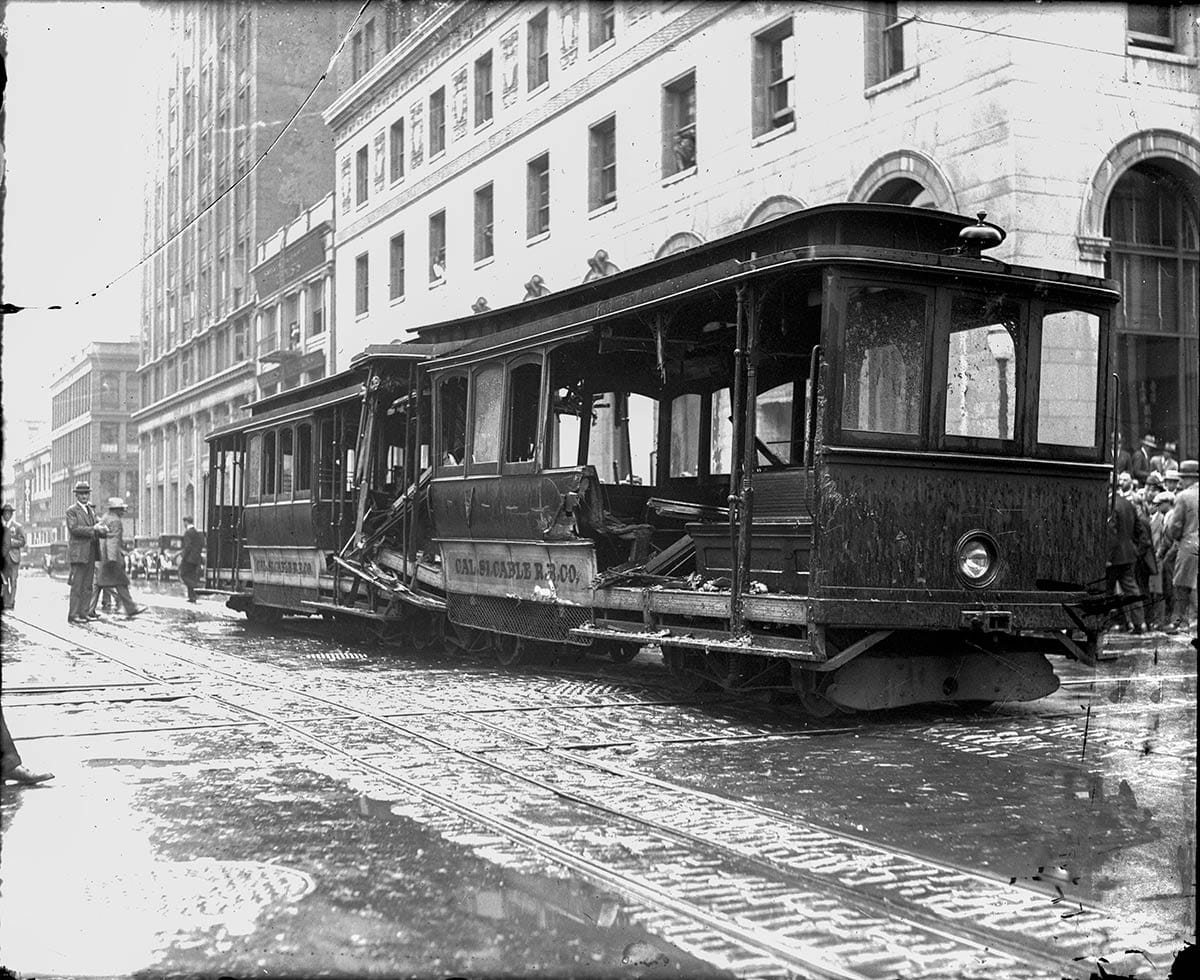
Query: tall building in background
(92, 433)
(503, 150)
(232, 77)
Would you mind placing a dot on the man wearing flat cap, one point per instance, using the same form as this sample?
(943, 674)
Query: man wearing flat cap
(85, 532)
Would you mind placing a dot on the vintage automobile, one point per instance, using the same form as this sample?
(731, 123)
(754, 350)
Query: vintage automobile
(54, 560)
(170, 547)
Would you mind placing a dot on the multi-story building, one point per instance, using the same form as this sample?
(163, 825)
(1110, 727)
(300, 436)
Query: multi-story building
(32, 498)
(233, 76)
(293, 278)
(92, 433)
(502, 150)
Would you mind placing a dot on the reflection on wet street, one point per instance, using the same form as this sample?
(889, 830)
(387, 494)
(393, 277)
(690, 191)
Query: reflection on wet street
(301, 800)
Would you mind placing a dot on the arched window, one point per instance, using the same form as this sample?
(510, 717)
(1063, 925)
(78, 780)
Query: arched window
(904, 190)
(1151, 221)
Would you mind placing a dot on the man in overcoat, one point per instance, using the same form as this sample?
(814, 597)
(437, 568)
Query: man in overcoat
(190, 558)
(10, 554)
(1183, 528)
(111, 574)
(1123, 533)
(84, 532)
(1140, 465)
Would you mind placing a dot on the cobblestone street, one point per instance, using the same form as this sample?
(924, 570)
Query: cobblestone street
(235, 800)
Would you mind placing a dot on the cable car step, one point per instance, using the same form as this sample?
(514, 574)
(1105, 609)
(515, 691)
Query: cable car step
(701, 639)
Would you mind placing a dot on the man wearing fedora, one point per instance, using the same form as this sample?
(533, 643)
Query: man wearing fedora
(1140, 465)
(10, 555)
(111, 574)
(85, 532)
(1182, 527)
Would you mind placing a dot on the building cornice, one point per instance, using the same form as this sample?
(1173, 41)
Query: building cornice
(441, 38)
(192, 392)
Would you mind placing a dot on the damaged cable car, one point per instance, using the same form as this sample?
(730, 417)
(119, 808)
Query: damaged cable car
(842, 453)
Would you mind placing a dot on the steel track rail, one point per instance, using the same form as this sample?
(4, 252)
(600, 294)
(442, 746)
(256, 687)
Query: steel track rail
(982, 938)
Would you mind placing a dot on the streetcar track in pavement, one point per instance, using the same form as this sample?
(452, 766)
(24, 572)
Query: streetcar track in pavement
(899, 888)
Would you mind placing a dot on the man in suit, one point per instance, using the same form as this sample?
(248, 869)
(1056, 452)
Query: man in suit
(10, 555)
(111, 574)
(84, 534)
(1182, 528)
(1123, 540)
(1140, 465)
(190, 558)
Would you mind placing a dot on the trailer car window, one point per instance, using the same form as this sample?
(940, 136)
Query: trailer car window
(253, 464)
(883, 360)
(1069, 379)
(268, 465)
(485, 432)
(981, 367)
(564, 431)
(622, 442)
(303, 458)
(720, 451)
(287, 459)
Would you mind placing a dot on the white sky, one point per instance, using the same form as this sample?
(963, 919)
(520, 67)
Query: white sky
(80, 84)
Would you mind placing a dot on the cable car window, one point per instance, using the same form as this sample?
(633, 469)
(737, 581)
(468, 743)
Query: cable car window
(287, 460)
(268, 465)
(981, 367)
(524, 395)
(253, 464)
(303, 458)
(349, 456)
(720, 452)
(622, 442)
(565, 413)
(774, 414)
(452, 420)
(883, 360)
(1069, 379)
(685, 435)
(485, 433)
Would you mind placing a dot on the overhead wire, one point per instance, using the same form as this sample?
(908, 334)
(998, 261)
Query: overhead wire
(9, 308)
(831, 4)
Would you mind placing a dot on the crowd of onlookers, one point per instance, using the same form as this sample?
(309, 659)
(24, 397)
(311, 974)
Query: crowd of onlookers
(1152, 538)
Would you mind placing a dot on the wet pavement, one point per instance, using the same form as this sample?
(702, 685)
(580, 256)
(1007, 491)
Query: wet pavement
(238, 801)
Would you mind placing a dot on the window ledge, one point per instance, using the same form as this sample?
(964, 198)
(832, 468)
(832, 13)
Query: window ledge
(396, 300)
(900, 78)
(1159, 54)
(361, 205)
(484, 262)
(774, 134)
(533, 92)
(397, 181)
(433, 157)
(610, 43)
(679, 175)
(437, 283)
(361, 316)
(603, 209)
(541, 236)
(486, 124)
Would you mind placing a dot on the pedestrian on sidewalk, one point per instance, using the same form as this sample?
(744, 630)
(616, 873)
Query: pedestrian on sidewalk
(10, 761)
(85, 532)
(1183, 528)
(10, 555)
(112, 576)
(1122, 555)
(191, 558)
(1161, 588)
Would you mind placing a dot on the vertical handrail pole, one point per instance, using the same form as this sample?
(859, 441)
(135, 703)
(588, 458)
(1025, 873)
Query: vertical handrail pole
(749, 453)
(735, 461)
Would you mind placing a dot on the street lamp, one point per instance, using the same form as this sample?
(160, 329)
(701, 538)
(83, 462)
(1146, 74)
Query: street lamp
(1000, 343)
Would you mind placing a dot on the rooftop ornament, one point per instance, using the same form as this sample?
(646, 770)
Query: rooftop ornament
(599, 266)
(973, 239)
(536, 288)
(481, 305)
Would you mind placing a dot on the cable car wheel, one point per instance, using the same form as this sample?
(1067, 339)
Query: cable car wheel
(513, 650)
(810, 687)
(689, 670)
(263, 615)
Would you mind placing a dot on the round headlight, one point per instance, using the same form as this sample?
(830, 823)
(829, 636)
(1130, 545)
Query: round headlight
(976, 559)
